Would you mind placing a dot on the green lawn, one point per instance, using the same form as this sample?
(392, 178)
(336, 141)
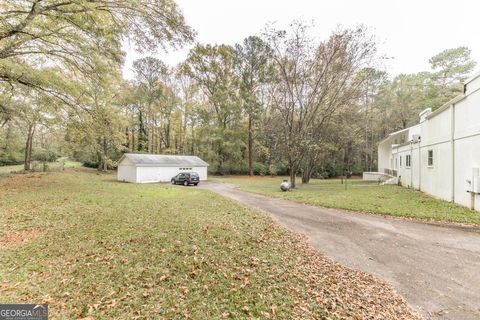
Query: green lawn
(94, 247)
(360, 196)
(6, 171)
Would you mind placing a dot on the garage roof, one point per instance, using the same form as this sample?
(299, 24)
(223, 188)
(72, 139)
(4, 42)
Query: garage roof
(160, 160)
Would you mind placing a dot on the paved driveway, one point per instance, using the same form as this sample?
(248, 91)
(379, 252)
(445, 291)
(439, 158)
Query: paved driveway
(436, 268)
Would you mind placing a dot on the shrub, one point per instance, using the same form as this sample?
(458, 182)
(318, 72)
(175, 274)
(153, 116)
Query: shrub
(44, 155)
(272, 170)
(259, 169)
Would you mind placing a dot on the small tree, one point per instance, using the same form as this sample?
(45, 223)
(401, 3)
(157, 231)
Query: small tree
(254, 68)
(312, 81)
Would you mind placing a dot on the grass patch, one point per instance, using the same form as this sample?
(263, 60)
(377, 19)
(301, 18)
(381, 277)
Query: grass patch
(360, 196)
(5, 171)
(95, 247)
(9, 171)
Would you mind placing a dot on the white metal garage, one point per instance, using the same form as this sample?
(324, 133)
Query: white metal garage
(147, 168)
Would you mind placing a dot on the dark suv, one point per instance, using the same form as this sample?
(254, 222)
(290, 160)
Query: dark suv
(186, 178)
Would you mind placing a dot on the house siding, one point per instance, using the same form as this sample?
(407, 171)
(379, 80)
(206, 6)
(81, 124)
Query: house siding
(467, 144)
(452, 133)
(165, 174)
(467, 158)
(127, 171)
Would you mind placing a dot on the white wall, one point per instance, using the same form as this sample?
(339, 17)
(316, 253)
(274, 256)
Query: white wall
(437, 179)
(467, 145)
(165, 174)
(126, 171)
(385, 155)
(202, 172)
(436, 136)
(155, 174)
(466, 158)
(415, 165)
(408, 175)
(399, 165)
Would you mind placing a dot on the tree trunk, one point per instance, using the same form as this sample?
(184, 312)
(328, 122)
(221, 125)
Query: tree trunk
(133, 140)
(103, 165)
(149, 137)
(292, 176)
(153, 137)
(306, 174)
(28, 148)
(161, 143)
(167, 135)
(100, 161)
(250, 146)
(128, 138)
(141, 132)
(184, 134)
(105, 154)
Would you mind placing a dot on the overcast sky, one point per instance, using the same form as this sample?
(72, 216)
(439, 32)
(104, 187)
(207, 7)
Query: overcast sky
(410, 31)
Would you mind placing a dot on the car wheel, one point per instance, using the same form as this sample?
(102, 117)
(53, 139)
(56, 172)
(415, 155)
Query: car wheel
(185, 183)
(196, 184)
(173, 181)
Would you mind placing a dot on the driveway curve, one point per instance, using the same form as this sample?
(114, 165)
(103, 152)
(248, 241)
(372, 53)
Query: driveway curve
(435, 267)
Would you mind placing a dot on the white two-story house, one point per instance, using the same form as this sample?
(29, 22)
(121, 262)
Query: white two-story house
(441, 154)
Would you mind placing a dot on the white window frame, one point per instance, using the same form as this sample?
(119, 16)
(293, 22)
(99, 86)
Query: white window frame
(430, 159)
(408, 161)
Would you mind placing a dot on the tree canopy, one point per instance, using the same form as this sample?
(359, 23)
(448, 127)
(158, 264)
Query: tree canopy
(45, 44)
(279, 102)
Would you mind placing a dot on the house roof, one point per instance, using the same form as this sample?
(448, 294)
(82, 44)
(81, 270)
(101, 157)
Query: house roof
(396, 132)
(160, 160)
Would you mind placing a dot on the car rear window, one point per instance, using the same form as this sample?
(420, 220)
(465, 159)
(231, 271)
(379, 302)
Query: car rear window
(194, 175)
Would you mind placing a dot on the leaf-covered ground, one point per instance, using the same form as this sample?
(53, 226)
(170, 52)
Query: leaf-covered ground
(95, 248)
(360, 196)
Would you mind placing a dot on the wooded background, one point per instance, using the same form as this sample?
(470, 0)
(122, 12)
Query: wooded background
(280, 102)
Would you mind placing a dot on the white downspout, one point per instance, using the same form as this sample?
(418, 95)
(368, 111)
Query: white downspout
(452, 145)
(420, 164)
(411, 166)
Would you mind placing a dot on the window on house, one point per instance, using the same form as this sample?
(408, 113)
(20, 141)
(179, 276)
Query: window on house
(400, 161)
(407, 160)
(430, 158)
